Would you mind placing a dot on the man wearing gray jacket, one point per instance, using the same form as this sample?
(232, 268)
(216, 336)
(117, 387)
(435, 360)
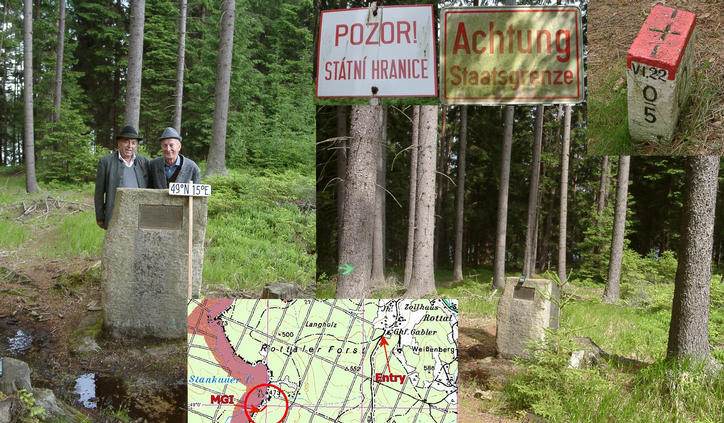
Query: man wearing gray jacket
(172, 167)
(119, 169)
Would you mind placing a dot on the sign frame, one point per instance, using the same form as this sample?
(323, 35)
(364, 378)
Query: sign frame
(189, 189)
(369, 54)
(489, 100)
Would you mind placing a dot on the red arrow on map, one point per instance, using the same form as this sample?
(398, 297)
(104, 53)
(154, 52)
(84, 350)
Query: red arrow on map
(384, 343)
(252, 409)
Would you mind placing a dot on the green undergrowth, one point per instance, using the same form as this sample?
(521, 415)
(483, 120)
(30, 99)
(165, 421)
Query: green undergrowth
(75, 236)
(261, 229)
(607, 128)
(664, 391)
(652, 390)
(13, 234)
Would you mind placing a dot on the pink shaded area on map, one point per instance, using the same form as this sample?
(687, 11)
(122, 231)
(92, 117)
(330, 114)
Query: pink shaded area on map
(203, 321)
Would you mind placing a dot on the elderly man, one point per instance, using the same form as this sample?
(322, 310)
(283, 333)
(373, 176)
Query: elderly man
(172, 167)
(122, 168)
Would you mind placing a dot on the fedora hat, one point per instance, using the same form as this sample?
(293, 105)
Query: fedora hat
(170, 132)
(128, 131)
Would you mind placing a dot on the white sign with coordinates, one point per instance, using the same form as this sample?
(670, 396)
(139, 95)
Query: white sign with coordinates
(189, 190)
(391, 48)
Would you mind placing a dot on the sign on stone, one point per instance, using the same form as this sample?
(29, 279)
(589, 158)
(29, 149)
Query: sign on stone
(189, 190)
(391, 48)
(152, 216)
(659, 68)
(511, 55)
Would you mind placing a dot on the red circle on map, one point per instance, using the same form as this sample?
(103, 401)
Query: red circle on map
(286, 401)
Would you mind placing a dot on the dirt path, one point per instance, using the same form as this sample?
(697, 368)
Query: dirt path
(481, 374)
(47, 307)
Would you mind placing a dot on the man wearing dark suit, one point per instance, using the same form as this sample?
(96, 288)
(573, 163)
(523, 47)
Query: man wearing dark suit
(172, 167)
(119, 169)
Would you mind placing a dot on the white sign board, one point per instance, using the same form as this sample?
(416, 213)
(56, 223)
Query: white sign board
(189, 190)
(392, 49)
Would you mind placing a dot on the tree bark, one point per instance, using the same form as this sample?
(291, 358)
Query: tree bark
(439, 186)
(179, 91)
(602, 187)
(359, 204)
(689, 328)
(611, 292)
(378, 239)
(217, 150)
(500, 233)
(563, 225)
(135, 63)
(413, 194)
(341, 152)
(460, 197)
(529, 254)
(31, 184)
(59, 61)
(423, 271)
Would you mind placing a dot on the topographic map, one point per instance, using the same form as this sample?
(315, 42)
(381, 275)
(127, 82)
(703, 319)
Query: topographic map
(307, 360)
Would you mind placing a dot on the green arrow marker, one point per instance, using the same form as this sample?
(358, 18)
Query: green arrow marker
(346, 268)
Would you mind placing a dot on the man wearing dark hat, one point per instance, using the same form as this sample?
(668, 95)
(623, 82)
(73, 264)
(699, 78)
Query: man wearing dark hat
(119, 169)
(172, 167)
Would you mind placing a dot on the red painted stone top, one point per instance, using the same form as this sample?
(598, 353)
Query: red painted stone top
(662, 40)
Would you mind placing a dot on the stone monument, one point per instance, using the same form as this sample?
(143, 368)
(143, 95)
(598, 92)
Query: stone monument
(658, 74)
(524, 311)
(145, 256)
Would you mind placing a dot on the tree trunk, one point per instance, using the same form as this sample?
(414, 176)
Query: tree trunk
(689, 328)
(31, 184)
(529, 255)
(378, 239)
(179, 91)
(217, 150)
(548, 234)
(563, 225)
(341, 151)
(59, 61)
(499, 265)
(611, 293)
(460, 197)
(413, 194)
(603, 187)
(135, 63)
(439, 186)
(355, 248)
(423, 270)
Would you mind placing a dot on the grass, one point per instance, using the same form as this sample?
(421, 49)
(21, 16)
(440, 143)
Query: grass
(607, 129)
(632, 332)
(75, 236)
(260, 228)
(663, 390)
(13, 235)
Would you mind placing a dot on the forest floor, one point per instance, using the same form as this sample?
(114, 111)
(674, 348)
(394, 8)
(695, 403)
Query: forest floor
(50, 291)
(612, 27)
(634, 332)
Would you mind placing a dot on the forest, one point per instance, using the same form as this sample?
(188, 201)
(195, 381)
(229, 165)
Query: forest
(235, 79)
(654, 198)
(604, 290)
(271, 78)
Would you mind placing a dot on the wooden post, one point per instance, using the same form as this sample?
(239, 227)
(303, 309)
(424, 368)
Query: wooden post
(191, 236)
